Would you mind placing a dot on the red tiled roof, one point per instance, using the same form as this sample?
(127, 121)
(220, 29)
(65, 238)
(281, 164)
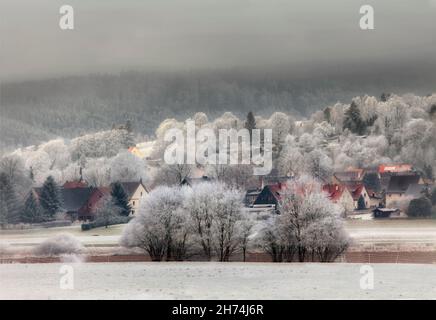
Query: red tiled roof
(355, 190)
(394, 168)
(334, 191)
(75, 184)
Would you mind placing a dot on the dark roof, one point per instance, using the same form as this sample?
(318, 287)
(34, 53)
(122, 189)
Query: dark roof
(415, 190)
(74, 199)
(334, 191)
(399, 184)
(355, 189)
(75, 184)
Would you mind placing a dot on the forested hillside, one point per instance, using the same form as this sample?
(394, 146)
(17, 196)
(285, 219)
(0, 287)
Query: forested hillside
(36, 111)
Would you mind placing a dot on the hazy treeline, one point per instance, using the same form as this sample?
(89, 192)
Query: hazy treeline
(36, 111)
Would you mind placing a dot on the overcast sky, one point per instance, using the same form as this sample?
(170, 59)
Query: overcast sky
(121, 35)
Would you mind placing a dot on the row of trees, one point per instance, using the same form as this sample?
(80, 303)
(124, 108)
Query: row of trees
(175, 223)
(309, 227)
(43, 205)
(34, 209)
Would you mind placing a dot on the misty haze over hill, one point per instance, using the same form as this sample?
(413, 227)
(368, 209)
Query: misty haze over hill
(200, 55)
(35, 111)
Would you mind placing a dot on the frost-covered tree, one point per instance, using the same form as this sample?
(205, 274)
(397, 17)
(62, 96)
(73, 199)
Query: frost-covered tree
(127, 167)
(250, 122)
(318, 164)
(309, 224)
(9, 203)
(120, 199)
(50, 197)
(107, 211)
(32, 211)
(226, 221)
(215, 210)
(160, 226)
(172, 174)
(353, 120)
(245, 232)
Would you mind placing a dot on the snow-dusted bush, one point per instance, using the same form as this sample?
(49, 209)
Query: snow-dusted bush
(309, 226)
(215, 210)
(59, 245)
(161, 226)
(176, 222)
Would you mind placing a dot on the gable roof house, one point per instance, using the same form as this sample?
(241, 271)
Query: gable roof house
(73, 200)
(339, 194)
(135, 191)
(88, 210)
(269, 197)
(388, 171)
(375, 198)
(358, 191)
(398, 186)
(350, 175)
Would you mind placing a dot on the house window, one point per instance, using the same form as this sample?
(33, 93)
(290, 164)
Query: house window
(133, 202)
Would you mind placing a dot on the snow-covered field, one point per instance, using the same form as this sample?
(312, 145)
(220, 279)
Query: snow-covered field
(413, 232)
(190, 280)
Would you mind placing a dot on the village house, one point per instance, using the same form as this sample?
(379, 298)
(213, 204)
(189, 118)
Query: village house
(354, 175)
(269, 197)
(388, 171)
(341, 195)
(375, 199)
(74, 202)
(80, 201)
(398, 185)
(136, 191)
(360, 195)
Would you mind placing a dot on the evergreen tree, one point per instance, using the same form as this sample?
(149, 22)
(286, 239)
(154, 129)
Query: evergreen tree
(433, 111)
(353, 120)
(50, 197)
(32, 211)
(433, 196)
(361, 203)
(120, 199)
(31, 175)
(420, 207)
(385, 97)
(250, 123)
(327, 114)
(9, 206)
(428, 171)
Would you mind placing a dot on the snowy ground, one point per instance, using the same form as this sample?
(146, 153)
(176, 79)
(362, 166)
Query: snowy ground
(217, 281)
(381, 232)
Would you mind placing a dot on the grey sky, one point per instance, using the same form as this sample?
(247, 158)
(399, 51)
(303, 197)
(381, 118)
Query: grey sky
(112, 36)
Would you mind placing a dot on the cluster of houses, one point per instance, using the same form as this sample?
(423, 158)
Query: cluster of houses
(80, 201)
(382, 190)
